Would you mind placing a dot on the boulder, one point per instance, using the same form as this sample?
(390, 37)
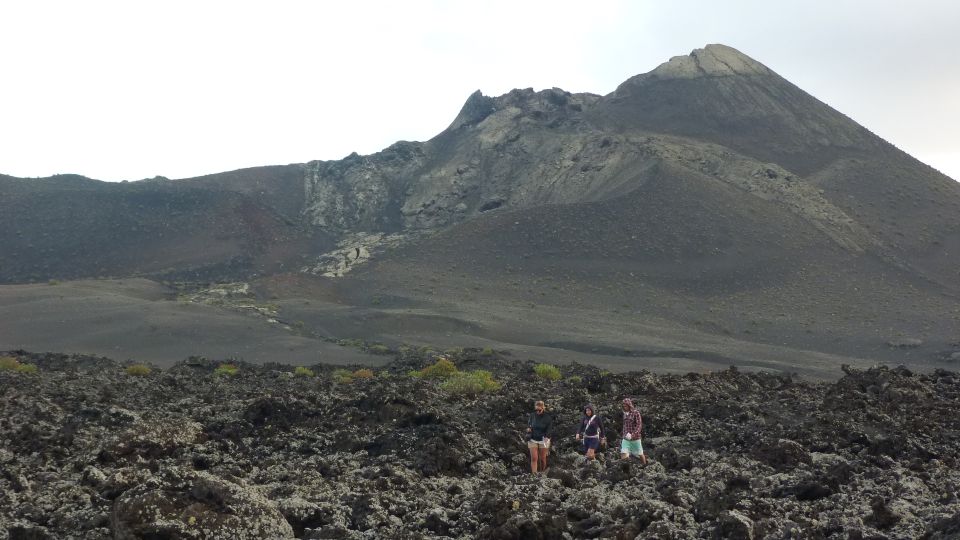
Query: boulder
(196, 505)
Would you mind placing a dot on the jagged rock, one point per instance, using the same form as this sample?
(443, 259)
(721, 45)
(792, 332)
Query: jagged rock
(782, 453)
(394, 456)
(942, 529)
(882, 515)
(152, 439)
(196, 505)
(735, 526)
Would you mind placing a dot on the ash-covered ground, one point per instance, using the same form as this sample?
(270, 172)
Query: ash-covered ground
(90, 451)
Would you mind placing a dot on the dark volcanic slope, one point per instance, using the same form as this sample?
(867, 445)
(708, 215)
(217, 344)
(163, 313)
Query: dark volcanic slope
(149, 322)
(70, 227)
(91, 452)
(709, 199)
(686, 247)
(717, 94)
(720, 95)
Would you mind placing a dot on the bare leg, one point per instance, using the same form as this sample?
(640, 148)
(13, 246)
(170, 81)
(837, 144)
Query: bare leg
(591, 453)
(534, 460)
(543, 459)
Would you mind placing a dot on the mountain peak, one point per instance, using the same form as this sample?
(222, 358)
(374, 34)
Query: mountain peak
(711, 61)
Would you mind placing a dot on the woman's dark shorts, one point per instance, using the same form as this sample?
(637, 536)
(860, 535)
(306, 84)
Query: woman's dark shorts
(591, 443)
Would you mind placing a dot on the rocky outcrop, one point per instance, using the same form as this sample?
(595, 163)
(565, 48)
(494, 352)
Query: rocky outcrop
(195, 504)
(711, 61)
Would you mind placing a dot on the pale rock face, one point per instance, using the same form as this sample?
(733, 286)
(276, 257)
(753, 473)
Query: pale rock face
(713, 61)
(353, 250)
(346, 200)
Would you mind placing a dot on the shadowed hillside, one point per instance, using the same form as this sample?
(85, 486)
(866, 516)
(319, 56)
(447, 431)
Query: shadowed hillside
(71, 227)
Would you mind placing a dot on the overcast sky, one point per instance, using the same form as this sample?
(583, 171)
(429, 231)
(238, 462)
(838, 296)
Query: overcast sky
(130, 90)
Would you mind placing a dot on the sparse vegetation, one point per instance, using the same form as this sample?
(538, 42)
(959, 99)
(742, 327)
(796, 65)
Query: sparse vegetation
(302, 371)
(363, 374)
(138, 370)
(470, 383)
(487, 351)
(575, 380)
(342, 376)
(9, 363)
(547, 371)
(379, 349)
(226, 370)
(442, 369)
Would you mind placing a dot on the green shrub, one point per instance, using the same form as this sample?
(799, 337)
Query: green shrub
(547, 371)
(27, 368)
(576, 380)
(226, 370)
(487, 351)
(363, 374)
(470, 383)
(342, 376)
(138, 370)
(303, 372)
(8, 363)
(442, 369)
(379, 349)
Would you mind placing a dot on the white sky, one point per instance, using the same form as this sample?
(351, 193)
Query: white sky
(130, 90)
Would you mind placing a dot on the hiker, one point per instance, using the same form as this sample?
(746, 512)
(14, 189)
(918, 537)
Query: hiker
(632, 426)
(591, 432)
(538, 437)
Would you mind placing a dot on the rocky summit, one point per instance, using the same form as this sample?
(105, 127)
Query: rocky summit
(91, 448)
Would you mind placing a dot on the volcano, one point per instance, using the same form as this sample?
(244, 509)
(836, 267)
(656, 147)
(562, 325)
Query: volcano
(703, 214)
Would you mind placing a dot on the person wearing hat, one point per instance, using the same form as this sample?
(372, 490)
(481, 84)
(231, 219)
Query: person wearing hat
(591, 432)
(630, 445)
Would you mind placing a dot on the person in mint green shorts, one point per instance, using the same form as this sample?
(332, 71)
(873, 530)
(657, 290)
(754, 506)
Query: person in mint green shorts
(630, 445)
